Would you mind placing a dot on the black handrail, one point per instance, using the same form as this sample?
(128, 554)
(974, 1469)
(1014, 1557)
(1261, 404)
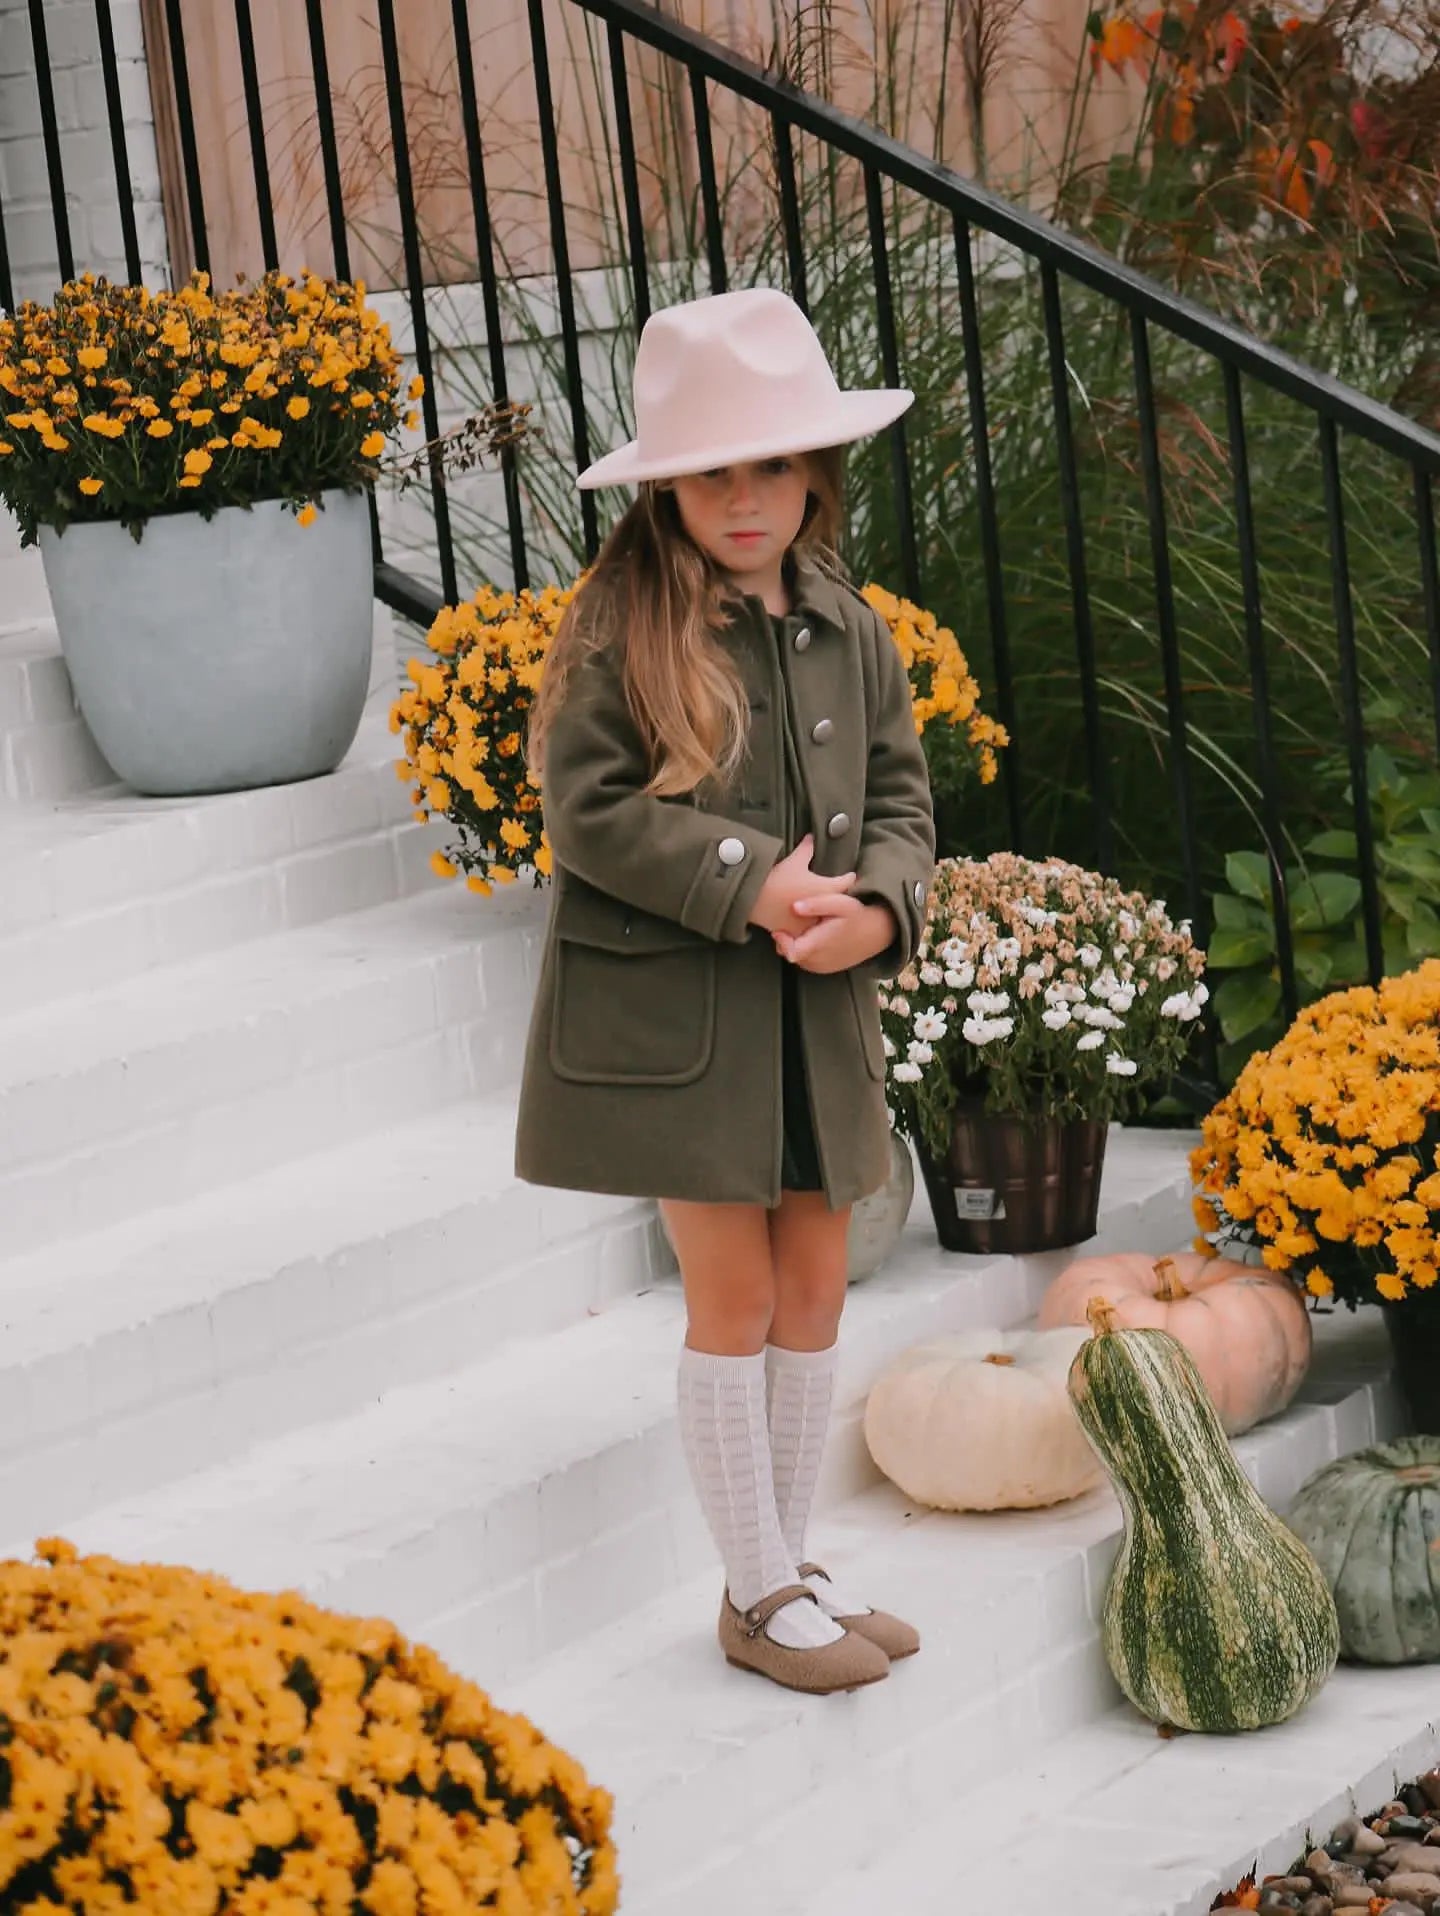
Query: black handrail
(1051, 245)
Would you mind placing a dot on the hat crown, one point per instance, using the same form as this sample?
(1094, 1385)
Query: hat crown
(727, 369)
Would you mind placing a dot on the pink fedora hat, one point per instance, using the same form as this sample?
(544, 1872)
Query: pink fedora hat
(736, 376)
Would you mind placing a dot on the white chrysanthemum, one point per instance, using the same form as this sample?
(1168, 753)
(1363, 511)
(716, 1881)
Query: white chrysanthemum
(1121, 1001)
(1091, 1041)
(931, 974)
(987, 1003)
(1165, 969)
(1056, 1018)
(1120, 1067)
(918, 1052)
(905, 1073)
(889, 1044)
(1199, 992)
(1089, 956)
(954, 951)
(930, 1026)
(1103, 1020)
(960, 977)
(1175, 1007)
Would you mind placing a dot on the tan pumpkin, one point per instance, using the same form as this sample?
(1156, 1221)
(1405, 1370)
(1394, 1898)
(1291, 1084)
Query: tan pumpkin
(1246, 1328)
(982, 1420)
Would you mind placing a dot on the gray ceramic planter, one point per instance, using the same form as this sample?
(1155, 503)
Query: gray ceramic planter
(217, 655)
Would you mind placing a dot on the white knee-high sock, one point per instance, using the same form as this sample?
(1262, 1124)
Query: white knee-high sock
(727, 1447)
(800, 1387)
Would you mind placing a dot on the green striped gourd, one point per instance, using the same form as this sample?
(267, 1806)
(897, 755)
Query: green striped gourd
(1216, 1617)
(1372, 1522)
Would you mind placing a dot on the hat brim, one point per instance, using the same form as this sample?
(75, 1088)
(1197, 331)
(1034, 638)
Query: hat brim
(852, 416)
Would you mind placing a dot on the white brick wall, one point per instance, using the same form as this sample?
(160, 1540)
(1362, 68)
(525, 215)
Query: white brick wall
(90, 189)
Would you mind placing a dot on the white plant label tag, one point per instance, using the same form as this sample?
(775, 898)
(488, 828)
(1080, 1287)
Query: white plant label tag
(981, 1206)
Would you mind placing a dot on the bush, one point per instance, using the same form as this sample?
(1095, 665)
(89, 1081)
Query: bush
(169, 1743)
(122, 403)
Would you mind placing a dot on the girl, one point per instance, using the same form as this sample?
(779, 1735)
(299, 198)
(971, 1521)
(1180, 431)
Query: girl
(739, 815)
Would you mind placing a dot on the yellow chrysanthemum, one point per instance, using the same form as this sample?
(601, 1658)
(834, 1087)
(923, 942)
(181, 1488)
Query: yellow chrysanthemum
(90, 486)
(441, 865)
(372, 445)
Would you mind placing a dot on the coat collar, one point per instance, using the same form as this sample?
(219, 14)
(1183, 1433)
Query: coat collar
(813, 594)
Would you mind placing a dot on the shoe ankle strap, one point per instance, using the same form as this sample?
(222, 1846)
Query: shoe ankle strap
(759, 1614)
(813, 1570)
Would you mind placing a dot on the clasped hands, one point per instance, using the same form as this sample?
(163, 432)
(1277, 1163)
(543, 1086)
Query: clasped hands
(815, 921)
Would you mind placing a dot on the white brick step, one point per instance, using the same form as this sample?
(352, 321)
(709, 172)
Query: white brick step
(100, 889)
(205, 1073)
(733, 1794)
(175, 1340)
(1135, 1825)
(540, 1493)
(46, 750)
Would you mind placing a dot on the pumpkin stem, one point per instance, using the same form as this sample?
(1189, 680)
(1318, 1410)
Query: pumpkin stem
(1100, 1315)
(997, 1357)
(1171, 1289)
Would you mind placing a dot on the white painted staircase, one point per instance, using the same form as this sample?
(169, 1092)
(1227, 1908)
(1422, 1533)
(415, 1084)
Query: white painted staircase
(273, 1303)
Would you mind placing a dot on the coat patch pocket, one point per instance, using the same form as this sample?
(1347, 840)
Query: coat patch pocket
(864, 997)
(634, 997)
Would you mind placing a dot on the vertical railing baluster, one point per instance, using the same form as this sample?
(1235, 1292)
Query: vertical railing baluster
(1165, 615)
(890, 361)
(1267, 767)
(115, 113)
(1351, 710)
(1098, 771)
(329, 146)
(185, 121)
(489, 281)
(790, 210)
(50, 132)
(254, 114)
(709, 193)
(629, 176)
(7, 286)
(1154, 477)
(1429, 585)
(414, 275)
(560, 247)
(989, 532)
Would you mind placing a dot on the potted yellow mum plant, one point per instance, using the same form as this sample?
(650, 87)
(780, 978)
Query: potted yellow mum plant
(170, 1743)
(1326, 1154)
(194, 466)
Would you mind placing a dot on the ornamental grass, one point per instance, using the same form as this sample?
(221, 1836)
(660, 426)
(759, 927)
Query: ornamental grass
(463, 715)
(1327, 1151)
(120, 403)
(172, 1744)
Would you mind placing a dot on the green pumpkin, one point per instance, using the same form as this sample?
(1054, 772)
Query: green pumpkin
(1372, 1522)
(1216, 1617)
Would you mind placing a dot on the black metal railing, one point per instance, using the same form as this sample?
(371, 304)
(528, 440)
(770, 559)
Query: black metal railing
(974, 215)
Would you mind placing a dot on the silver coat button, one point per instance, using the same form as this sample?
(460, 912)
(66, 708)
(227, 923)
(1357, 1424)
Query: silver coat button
(919, 894)
(802, 639)
(732, 851)
(839, 825)
(823, 731)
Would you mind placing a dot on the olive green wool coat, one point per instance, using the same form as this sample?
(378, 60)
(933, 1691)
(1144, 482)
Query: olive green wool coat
(654, 1055)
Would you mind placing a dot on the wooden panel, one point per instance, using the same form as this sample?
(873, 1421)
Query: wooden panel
(925, 98)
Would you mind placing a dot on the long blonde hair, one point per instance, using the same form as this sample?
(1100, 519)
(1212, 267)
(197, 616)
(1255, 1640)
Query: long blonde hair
(662, 600)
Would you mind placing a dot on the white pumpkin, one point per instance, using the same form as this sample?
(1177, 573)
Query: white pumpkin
(982, 1420)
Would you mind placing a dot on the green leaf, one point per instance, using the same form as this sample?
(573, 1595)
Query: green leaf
(1398, 898)
(1249, 875)
(1234, 912)
(1244, 1002)
(1315, 966)
(1327, 898)
(1422, 934)
(1431, 819)
(1236, 945)
(1333, 845)
(1414, 856)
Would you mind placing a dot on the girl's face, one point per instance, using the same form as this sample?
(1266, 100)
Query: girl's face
(746, 517)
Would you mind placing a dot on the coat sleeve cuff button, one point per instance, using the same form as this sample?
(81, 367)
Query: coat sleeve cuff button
(919, 895)
(732, 851)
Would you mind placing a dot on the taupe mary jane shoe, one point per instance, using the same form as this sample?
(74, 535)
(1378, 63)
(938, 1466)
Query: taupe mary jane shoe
(890, 1634)
(842, 1665)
